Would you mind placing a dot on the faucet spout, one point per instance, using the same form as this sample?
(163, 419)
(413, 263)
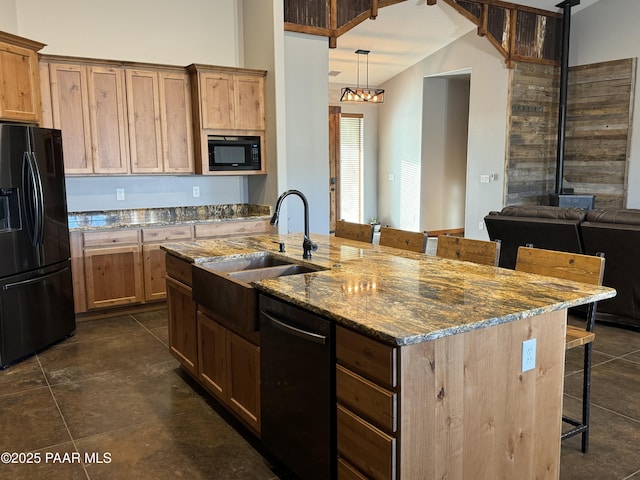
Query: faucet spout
(307, 245)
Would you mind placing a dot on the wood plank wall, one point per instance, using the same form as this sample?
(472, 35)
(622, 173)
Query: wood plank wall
(599, 115)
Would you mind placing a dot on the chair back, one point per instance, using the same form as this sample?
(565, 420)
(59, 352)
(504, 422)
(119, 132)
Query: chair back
(412, 241)
(361, 232)
(565, 265)
(484, 252)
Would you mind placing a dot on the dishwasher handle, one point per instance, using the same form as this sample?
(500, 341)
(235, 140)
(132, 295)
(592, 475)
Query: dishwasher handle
(312, 337)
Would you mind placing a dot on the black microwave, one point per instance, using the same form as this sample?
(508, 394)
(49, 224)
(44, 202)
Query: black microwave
(229, 153)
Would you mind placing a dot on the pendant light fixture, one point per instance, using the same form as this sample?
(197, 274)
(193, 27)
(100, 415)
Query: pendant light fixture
(360, 94)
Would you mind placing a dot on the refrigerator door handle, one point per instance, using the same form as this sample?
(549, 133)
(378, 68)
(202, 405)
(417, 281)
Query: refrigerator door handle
(39, 278)
(28, 196)
(39, 230)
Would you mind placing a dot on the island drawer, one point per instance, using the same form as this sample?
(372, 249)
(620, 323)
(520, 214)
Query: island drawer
(347, 471)
(367, 399)
(179, 269)
(370, 358)
(364, 446)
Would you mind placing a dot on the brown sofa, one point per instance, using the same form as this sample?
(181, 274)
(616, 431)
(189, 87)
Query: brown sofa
(553, 228)
(614, 232)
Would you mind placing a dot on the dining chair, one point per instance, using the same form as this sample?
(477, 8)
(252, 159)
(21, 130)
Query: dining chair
(484, 252)
(403, 239)
(579, 268)
(361, 232)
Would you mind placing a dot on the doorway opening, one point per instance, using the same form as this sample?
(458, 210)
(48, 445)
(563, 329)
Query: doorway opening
(445, 129)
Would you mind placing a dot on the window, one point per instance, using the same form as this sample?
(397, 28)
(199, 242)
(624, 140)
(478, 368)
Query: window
(351, 155)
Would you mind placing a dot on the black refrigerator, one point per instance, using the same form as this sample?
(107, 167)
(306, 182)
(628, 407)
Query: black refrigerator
(36, 290)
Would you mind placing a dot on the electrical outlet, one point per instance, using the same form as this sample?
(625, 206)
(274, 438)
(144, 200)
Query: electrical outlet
(391, 176)
(196, 191)
(119, 193)
(529, 354)
(481, 225)
(484, 178)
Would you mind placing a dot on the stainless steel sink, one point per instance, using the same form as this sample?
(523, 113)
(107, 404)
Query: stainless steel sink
(224, 286)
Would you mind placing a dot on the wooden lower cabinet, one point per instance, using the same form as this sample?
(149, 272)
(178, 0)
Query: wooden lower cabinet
(181, 313)
(229, 368)
(155, 286)
(113, 276)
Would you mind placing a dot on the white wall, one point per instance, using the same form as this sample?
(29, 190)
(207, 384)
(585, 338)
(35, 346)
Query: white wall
(155, 31)
(444, 153)
(8, 16)
(400, 127)
(306, 103)
(160, 31)
(608, 30)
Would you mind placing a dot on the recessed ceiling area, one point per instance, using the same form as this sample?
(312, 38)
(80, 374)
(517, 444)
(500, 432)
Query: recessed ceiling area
(402, 35)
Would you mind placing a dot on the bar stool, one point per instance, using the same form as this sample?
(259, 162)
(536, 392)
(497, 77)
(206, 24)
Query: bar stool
(403, 239)
(579, 268)
(361, 232)
(484, 252)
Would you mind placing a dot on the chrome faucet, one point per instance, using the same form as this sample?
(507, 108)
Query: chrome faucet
(307, 244)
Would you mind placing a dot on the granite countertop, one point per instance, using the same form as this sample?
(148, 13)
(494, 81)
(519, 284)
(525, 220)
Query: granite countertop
(399, 297)
(141, 217)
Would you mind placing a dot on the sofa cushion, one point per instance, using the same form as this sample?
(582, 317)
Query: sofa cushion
(544, 211)
(614, 215)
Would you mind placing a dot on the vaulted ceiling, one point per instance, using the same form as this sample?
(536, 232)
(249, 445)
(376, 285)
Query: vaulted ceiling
(403, 34)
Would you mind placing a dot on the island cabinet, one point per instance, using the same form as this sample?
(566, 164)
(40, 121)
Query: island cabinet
(229, 366)
(181, 312)
(367, 410)
(19, 79)
(458, 406)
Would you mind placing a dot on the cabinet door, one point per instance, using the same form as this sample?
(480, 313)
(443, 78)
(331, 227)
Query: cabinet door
(249, 102)
(143, 108)
(212, 362)
(19, 84)
(113, 276)
(181, 312)
(243, 379)
(70, 111)
(176, 123)
(217, 100)
(155, 285)
(108, 122)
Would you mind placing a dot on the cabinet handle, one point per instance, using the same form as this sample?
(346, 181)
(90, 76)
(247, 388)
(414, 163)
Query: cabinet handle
(312, 337)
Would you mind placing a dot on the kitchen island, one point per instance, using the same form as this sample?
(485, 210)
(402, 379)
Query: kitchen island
(429, 379)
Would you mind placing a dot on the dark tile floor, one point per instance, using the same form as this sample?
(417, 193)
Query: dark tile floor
(113, 391)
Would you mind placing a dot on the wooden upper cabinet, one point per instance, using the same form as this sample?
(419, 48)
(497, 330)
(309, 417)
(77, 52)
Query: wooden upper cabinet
(143, 108)
(229, 99)
(70, 112)
(109, 140)
(249, 102)
(159, 111)
(175, 122)
(216, 100)
(19, 79)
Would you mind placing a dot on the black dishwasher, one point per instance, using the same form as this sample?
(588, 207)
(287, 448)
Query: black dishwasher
(297, 374)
